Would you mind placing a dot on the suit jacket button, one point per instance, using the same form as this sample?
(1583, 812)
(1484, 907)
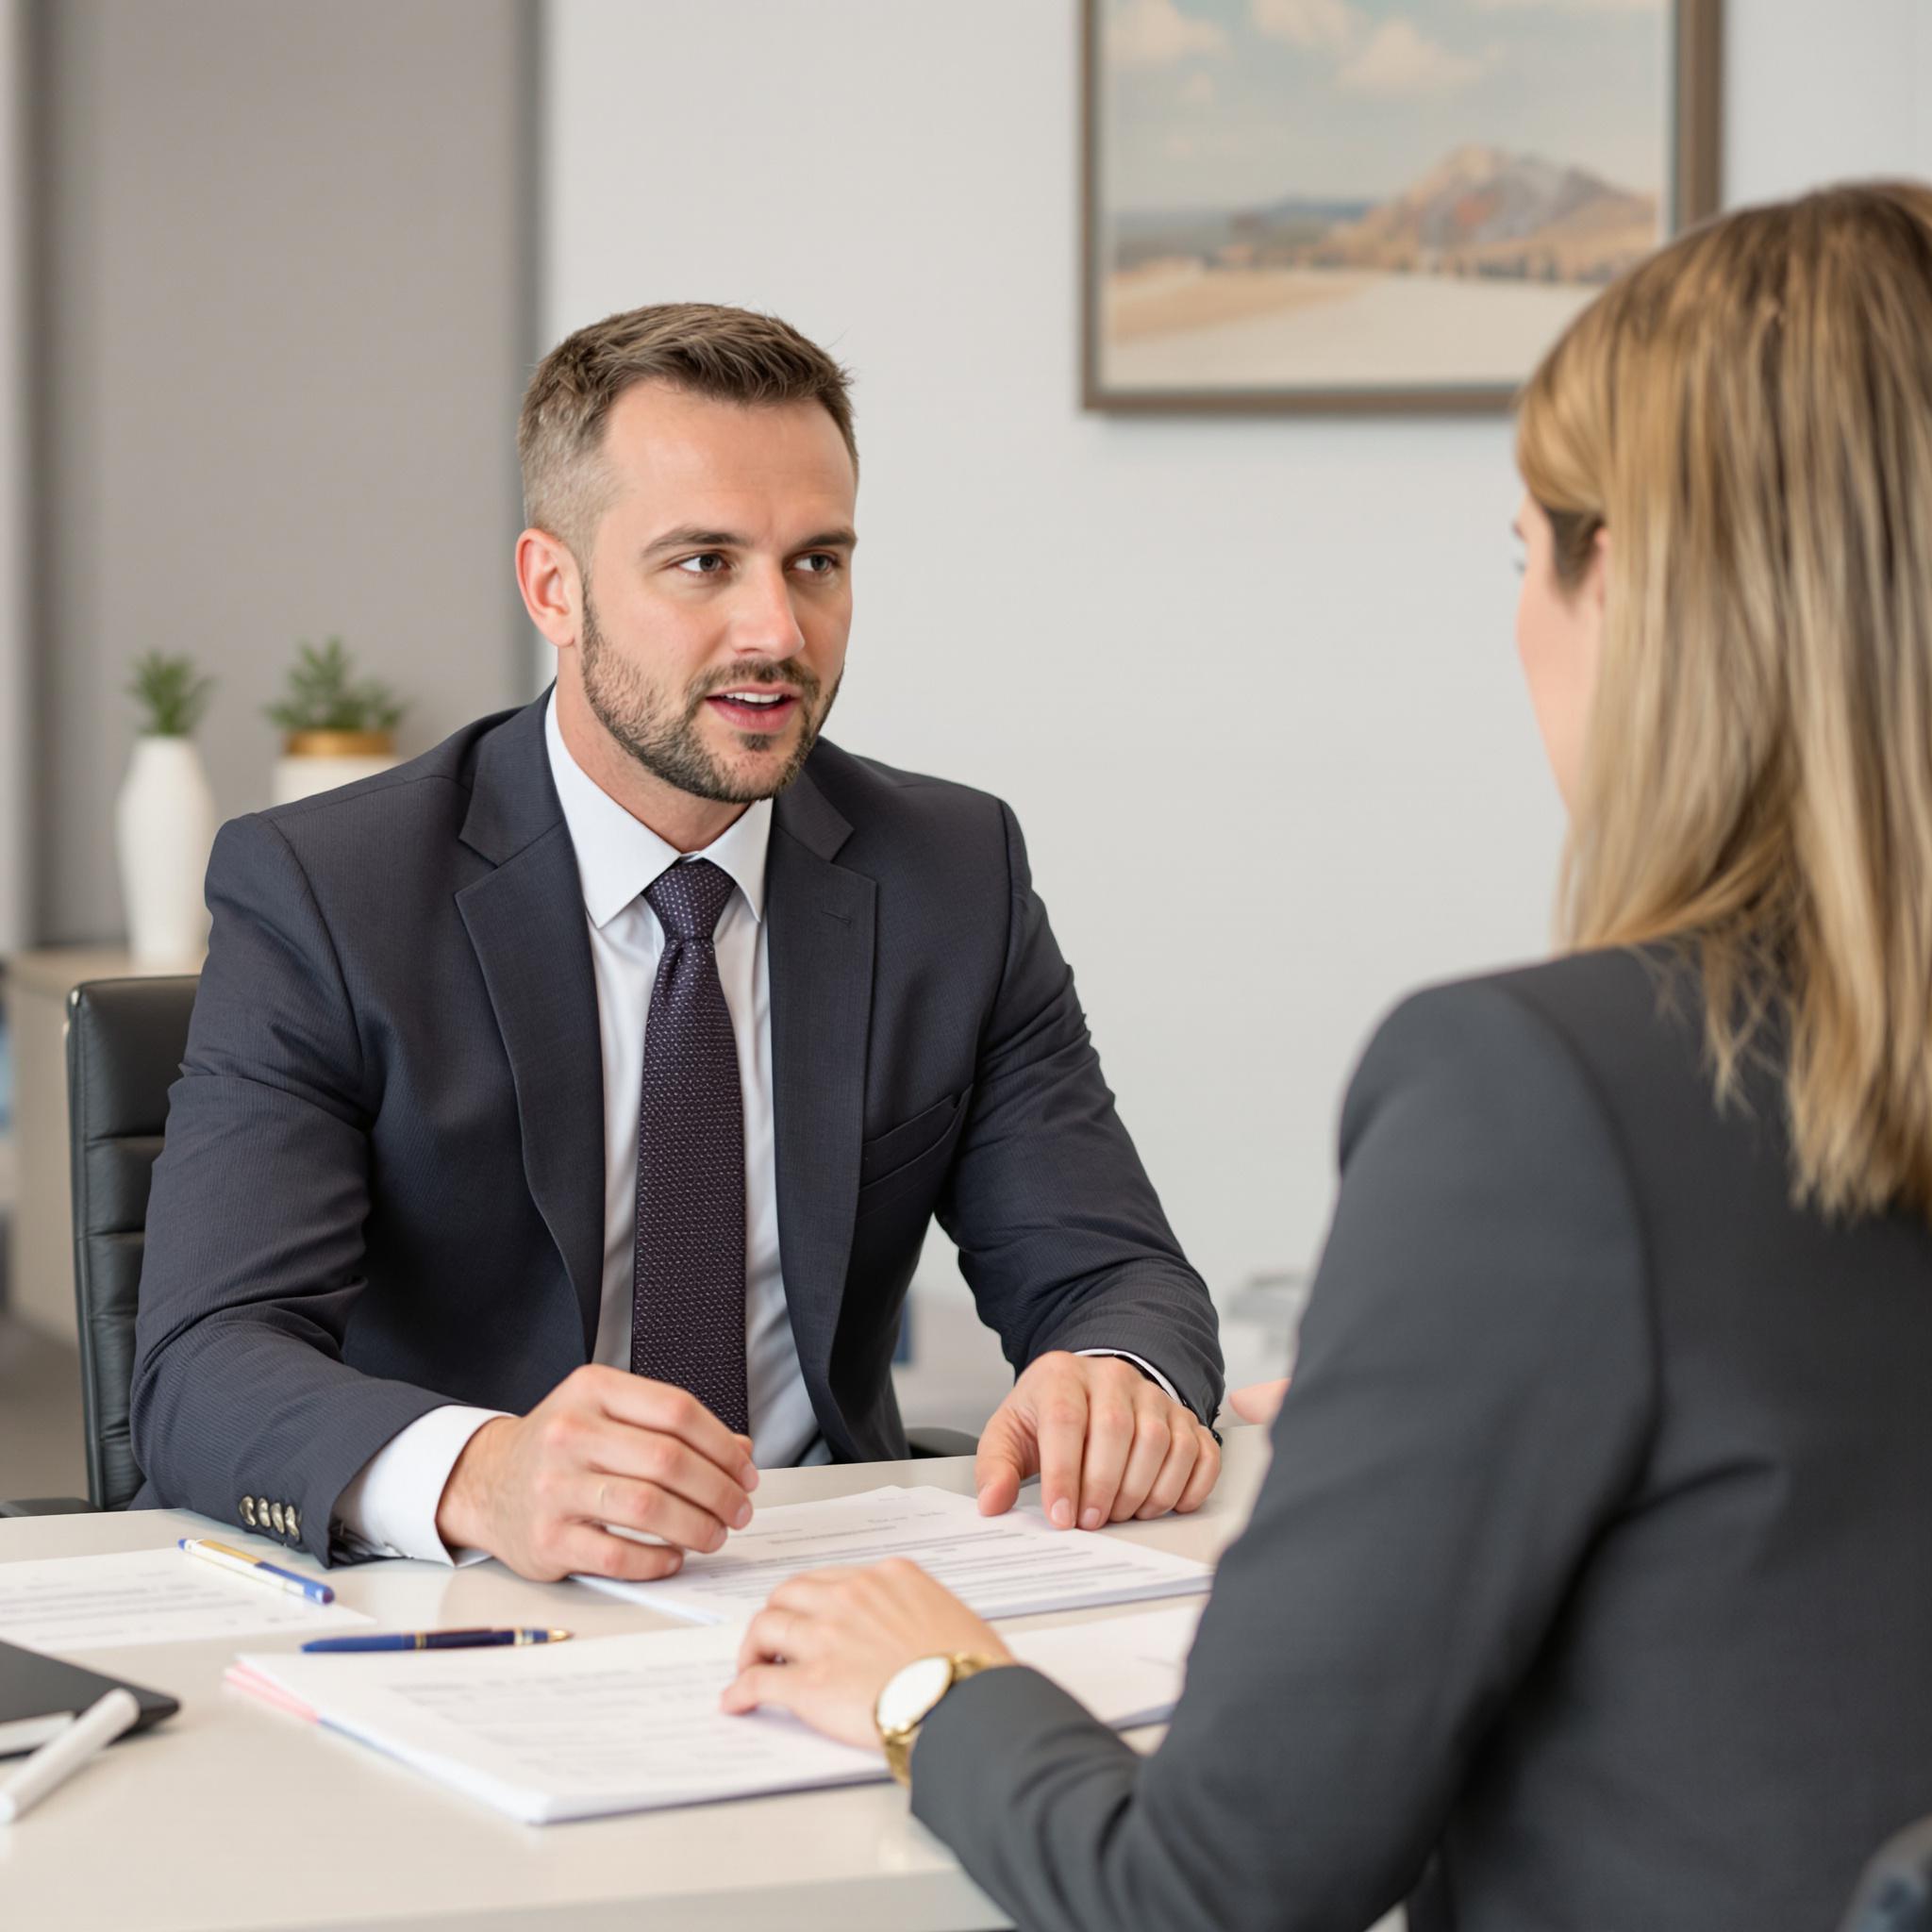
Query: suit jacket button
(274, 1516)
(248, 1511)
(295, 1521)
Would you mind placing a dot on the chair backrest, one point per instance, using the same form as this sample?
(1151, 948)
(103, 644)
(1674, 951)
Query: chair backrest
(1895, 1894)
(125, 1042)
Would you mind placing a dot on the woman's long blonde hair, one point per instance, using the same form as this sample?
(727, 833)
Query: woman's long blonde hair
(1748, 414)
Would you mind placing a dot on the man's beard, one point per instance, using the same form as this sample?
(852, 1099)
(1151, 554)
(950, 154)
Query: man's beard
(671, 747)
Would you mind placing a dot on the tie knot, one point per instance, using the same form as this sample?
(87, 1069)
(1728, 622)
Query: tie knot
(688, 898)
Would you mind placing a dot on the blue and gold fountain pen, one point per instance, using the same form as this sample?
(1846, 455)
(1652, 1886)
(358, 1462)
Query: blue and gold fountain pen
(437, 1640)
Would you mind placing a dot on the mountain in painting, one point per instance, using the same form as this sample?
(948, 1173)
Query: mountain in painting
(1484, 211)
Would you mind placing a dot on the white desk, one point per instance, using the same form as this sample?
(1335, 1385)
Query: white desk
(234, 1815)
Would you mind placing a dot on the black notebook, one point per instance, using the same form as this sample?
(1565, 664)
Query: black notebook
(38, 1693)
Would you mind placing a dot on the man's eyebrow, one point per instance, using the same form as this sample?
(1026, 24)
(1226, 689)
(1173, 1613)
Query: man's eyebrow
(689, 537)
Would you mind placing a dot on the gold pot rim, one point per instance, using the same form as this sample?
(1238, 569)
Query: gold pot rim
(338, 744)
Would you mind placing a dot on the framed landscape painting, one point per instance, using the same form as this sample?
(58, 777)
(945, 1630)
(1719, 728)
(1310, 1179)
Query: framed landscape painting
(1373, 204)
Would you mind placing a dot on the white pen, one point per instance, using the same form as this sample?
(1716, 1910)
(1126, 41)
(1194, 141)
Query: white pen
(225, 1557)
(65, 1752)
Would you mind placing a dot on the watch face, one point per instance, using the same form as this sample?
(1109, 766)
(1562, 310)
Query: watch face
(913, 1691)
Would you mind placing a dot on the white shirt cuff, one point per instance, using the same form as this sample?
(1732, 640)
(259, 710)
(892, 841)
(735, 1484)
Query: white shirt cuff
(1146, 1368)
(390, 1506)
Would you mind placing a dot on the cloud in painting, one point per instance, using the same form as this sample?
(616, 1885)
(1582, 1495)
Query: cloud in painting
(1402, 63)
(1155, 33)
(1198, 91)
(1328, 25)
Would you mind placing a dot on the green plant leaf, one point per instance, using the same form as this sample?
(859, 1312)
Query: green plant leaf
(172, 694)
(322, 695)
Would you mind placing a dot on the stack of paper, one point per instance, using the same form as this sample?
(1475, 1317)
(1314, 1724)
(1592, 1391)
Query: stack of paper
(64, 1603)
(632, 1723)
(1013, 1565)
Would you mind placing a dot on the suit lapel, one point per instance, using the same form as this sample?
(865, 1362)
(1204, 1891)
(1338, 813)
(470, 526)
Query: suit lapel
(820, 941)
(525, 920)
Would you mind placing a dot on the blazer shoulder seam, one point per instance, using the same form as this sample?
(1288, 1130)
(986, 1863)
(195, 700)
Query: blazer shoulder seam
(1551, 1031)
(901, 780)
(335, 957)
(387, 781)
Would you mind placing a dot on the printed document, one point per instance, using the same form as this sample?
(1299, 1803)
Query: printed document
(632, 1723)
(67, 1603)
(1013, 1565)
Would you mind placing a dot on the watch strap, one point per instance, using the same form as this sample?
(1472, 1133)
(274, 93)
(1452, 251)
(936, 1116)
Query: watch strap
(898, 1742)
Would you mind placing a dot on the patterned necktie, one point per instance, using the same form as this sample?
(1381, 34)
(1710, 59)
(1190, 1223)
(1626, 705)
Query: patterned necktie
(687, 1319)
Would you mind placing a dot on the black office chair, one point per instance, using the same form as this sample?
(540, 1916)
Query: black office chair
(126, 1039)
(1895, 1894)
(126, 1042)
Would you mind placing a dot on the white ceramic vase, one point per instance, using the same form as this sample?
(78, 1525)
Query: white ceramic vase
(164, 828)
(313, 761)
(294, 778)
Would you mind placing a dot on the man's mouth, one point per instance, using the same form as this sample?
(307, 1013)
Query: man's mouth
(757, 710)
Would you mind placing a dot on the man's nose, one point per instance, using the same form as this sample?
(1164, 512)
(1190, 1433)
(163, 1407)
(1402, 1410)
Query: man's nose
(765, 622)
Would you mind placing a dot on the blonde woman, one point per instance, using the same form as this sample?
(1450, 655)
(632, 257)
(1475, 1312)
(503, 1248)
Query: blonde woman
(1590, 1587)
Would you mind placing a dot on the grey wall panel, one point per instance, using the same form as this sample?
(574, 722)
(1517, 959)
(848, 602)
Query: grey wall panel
(15, 682)
(284, 327)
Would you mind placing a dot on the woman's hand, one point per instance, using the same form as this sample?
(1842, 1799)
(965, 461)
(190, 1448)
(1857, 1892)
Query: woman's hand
(826, 1642)
(1259, 1401)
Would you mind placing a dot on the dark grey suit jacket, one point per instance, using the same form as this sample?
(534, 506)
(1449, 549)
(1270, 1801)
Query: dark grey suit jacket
(382, 1187)
(1593, 1570)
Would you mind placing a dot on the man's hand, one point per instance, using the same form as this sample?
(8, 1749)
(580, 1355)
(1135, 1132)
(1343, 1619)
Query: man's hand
(1105, 1441)
(825, 1644)
(602, 1447)
(1260, 1402)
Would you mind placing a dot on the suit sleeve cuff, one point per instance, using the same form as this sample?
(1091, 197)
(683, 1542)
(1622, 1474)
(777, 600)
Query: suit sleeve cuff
(389, 1508)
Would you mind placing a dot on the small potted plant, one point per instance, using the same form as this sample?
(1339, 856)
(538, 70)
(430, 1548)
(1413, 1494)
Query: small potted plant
(335, 728)
(164, 818)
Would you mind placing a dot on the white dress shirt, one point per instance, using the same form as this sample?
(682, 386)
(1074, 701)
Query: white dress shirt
(390, 1507)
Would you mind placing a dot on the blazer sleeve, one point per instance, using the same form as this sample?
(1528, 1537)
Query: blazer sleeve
(1061, 1237)
(254, 1249)
(1472, 1404)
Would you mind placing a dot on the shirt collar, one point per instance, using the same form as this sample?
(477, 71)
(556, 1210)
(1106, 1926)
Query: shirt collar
(619, 856)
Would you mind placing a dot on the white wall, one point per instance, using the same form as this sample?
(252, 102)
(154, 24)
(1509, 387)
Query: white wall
(1820, 90)
(1250, 684)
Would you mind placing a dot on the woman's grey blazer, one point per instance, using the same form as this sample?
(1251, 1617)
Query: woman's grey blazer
(1590, 1587)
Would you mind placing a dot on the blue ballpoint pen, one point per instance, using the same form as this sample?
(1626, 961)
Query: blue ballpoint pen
(243, 1564)
(437, 1640)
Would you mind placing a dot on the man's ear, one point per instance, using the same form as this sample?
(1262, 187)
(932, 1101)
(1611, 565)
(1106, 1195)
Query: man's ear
(552, 586)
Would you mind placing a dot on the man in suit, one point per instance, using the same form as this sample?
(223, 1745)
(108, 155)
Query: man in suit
(564, 1112)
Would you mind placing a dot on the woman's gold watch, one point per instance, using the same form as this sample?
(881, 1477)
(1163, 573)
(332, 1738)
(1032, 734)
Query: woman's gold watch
(908, 1699)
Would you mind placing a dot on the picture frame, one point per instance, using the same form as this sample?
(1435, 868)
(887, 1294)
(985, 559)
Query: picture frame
(1220, 322)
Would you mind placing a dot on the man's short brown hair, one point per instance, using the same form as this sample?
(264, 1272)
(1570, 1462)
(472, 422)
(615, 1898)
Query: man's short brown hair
(702, 348)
